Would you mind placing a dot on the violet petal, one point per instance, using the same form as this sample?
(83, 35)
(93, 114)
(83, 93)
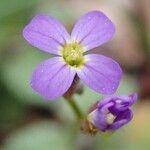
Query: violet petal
(101, 73)
(122, 119)
(93, 29)
(99, 117)
(46, 33)
(52, 78)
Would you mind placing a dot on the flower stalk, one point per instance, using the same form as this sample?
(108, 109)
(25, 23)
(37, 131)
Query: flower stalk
(69, 96)
(75, 108)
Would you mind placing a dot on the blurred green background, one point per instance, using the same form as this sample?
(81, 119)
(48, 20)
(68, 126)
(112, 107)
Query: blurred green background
(27, 122)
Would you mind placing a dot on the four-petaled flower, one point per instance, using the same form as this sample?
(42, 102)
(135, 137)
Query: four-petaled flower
(112, 113)
(54, 76)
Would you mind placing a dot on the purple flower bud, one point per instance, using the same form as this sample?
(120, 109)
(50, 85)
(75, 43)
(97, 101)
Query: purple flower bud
(112, 112)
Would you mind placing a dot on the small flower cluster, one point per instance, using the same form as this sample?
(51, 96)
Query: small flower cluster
(55, 76)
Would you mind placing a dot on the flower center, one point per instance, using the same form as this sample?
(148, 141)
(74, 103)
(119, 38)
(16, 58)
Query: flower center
(73, 54)
(110, 118)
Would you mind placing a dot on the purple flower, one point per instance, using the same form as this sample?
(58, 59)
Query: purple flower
(112, 112)
(54, 76)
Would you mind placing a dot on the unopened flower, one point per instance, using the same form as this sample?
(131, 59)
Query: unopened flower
(112, 113)
(54, 76)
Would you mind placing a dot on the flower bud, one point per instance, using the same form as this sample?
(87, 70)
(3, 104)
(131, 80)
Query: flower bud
(112, 113)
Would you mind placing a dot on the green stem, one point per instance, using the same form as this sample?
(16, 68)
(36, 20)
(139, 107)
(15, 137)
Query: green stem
(75, 107)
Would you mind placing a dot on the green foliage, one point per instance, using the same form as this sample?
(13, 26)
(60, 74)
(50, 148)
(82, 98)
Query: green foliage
(8, 7)
(40, 136)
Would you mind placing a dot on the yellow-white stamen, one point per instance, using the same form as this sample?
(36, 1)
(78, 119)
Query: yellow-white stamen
(110, 118)
(72, 54)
